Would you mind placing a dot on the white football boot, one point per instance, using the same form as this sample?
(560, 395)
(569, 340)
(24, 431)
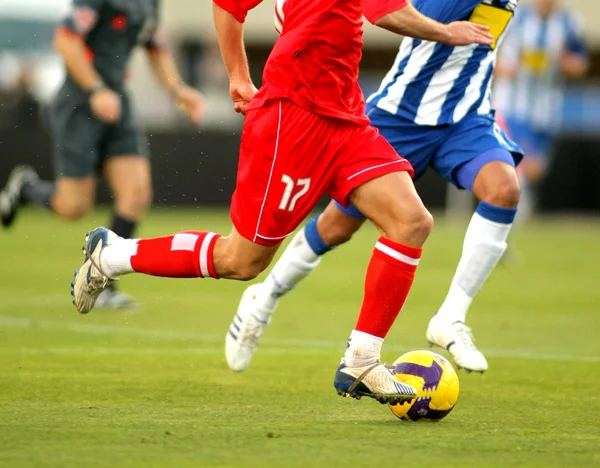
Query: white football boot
(247, 328)
(90, 280)
(457, 339)
(10, 196)
(374, 381)
(113, 299)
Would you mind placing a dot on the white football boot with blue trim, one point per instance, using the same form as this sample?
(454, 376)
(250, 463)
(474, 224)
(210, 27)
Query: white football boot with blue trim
(246, 329)
(114, 299)
(375, 381)
(90, 280)
(458, 340)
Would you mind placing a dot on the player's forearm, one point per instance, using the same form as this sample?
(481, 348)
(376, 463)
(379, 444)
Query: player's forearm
(73, 51)
(408, 21)
(230, 34)
(165, 70)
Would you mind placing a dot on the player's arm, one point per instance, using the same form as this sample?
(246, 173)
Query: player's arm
(166, 71)
(400, 17)
(575, 61)
(229, 17)
(69, 42)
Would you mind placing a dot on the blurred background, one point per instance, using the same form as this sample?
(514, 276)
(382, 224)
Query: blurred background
(197, 165)
(152, 388)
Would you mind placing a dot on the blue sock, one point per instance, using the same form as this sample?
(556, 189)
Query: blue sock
(314, 239)
(496, 214)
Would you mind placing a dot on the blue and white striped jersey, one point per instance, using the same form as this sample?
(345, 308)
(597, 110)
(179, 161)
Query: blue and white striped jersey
(435, 84)
(534, 46)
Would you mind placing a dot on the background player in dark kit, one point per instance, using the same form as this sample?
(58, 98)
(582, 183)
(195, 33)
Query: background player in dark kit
(93, 125)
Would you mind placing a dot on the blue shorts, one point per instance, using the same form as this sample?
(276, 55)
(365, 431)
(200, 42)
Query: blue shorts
(535, 143)
(472, 143)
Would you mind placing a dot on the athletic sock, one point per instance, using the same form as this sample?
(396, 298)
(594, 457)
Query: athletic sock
(38, 192)
(122, 226)
(484, 245)
(363, 349)
(300, 258)
(182, 255)
(388, 281)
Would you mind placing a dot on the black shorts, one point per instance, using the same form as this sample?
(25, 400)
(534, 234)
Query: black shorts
(81, 142)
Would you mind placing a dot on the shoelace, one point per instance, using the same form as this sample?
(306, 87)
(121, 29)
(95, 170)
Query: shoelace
(466, 337)
(384, 379)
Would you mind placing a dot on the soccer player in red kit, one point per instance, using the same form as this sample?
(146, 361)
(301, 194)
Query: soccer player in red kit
(305, 134)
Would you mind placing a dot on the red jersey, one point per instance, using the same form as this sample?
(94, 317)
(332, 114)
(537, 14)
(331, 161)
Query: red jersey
(315, 61)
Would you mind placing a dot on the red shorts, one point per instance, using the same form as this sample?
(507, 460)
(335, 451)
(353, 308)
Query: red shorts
(290, 157)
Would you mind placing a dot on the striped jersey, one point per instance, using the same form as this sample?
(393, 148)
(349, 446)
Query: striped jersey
(435, 84)
(534, 45)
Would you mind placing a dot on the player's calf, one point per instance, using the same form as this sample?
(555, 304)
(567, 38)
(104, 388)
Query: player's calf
(236, 257)
(336, 225)
(71, 208)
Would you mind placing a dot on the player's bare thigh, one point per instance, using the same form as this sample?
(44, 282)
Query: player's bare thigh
(236, 257)
(129, 179)
(74, 197)
(392, 204)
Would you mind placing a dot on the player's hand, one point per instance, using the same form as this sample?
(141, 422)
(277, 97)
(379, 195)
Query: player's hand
(573, 65)
(191, 101)
(106, 105)
(461, 33)
(241, 95)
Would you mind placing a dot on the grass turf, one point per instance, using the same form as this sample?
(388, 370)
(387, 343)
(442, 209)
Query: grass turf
(152, 388)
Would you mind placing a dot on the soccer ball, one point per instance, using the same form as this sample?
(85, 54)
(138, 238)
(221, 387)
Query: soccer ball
(436, 383)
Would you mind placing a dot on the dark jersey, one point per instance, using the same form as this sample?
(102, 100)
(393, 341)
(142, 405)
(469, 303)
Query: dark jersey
(111, 30)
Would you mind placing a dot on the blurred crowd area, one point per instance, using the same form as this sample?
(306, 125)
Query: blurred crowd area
(30, 71)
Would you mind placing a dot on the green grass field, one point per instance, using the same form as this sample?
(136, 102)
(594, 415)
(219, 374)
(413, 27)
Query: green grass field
(152, 389)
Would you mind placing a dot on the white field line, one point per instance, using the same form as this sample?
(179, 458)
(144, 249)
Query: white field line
(285, 346)
(108, 351)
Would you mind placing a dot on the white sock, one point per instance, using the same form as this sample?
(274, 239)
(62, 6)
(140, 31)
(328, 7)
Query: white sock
(485, 242)
(115, 259)
(363, 349)
(296, 263)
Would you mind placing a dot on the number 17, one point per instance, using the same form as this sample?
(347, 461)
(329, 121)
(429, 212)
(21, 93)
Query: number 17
(288, 203)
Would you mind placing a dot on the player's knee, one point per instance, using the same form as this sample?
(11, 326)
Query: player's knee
(72, 208)
(247, 270)
(410, 227)
(423, 224)
(505, 194)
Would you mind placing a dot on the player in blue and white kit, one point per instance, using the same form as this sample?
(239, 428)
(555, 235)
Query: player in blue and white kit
(434, 107)
(543, 45)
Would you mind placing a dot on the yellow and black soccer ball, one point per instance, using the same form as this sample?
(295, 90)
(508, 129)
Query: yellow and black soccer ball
(436, 383)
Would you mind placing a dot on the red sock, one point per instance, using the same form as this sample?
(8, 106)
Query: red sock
(182, 255)
(389, 277)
